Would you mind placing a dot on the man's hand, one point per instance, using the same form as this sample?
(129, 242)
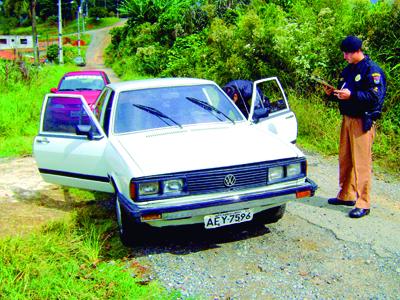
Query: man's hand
(343, 94)
(328, 89)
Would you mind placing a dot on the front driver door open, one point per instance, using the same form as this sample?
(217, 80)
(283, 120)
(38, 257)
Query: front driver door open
(64, 154)
(269, 94)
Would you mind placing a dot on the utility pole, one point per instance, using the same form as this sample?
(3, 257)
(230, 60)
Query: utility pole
(60, 49)
(79, 31)
(34, 33)
(83, 15)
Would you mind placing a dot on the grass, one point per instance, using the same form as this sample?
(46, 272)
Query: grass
(318, 127)
(80, 257)
(20, 105)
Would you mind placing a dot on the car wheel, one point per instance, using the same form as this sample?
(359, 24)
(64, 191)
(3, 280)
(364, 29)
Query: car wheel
(271, 215)
(130, 232)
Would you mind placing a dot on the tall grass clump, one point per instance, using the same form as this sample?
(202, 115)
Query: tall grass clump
(76, 258)
(22, 88)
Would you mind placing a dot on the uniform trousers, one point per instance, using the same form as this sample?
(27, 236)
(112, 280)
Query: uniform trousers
(355, 162)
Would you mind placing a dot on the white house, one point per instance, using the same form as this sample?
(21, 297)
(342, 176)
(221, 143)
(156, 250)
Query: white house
(15, 42)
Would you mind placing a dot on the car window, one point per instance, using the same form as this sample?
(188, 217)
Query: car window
(63, 114)
(270, 95)
(99, 104)
(107, 114)
(82, 82)
(173, 106)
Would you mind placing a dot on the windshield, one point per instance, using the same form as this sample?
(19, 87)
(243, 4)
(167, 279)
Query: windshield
(173, 106)
(82, 82)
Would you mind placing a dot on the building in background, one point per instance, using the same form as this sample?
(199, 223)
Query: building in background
(8, 42)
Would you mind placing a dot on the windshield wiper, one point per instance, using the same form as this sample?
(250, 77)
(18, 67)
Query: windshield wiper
(209, 107)
(157, 113)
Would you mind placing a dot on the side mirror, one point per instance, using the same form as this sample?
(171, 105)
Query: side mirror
(84, 130)
(260, 113)
(53, 90)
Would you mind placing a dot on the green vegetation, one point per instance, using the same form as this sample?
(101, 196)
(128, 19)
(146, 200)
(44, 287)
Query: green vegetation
(80, 257)
(224, 40)
(22, 88)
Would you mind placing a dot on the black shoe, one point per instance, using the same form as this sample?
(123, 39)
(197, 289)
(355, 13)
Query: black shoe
(336, 201)
(358, 212)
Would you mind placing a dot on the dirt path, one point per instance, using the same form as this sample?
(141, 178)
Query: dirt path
(100, 39)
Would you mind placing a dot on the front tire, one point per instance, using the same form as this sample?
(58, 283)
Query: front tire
(272, 215)
(130, 232)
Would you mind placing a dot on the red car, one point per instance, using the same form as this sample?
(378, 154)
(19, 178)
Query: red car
(89, 84)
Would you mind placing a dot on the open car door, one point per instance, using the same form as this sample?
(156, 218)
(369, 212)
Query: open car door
(69, 147)
(270, 109)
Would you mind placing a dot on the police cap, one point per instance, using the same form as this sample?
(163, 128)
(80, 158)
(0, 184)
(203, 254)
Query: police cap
(351, 44)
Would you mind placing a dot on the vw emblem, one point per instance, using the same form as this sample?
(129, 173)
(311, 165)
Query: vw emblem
(229, 180)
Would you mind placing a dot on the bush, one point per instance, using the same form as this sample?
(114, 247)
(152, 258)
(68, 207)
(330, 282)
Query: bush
(52, 20)
(52, 53)
(98, 12)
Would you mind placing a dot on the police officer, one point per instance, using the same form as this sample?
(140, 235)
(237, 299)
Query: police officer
(241, 91)
(360, 93)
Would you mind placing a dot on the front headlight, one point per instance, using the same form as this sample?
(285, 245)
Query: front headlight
(173, 186)
(293, 170)
(148, 188)
(275, 173)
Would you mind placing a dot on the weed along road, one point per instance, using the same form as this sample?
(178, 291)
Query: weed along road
(315, 251)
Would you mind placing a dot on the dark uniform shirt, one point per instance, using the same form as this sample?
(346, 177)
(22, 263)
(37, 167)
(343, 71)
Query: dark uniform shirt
(367, 84)
(244, 88)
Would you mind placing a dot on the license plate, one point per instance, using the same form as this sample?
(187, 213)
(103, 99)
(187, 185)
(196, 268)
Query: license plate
(75, 113)
(234, 217)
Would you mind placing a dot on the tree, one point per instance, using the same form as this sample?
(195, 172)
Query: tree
(34, 33)
(16, 8)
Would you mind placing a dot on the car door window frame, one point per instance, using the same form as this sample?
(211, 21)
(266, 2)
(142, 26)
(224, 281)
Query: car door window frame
(254, 95)
(92, 118)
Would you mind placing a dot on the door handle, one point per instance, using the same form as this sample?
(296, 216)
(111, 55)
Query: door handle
(42, 140)
(289, 117)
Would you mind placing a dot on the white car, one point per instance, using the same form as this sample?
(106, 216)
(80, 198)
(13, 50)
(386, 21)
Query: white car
(176, 151)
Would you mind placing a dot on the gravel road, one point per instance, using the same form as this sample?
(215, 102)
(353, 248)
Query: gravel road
(314, 252)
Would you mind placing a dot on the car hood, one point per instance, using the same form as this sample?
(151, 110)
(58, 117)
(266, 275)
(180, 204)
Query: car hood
(178, 150)
(90, 96)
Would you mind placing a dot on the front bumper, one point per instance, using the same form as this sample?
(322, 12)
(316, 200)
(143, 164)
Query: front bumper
(191, 212)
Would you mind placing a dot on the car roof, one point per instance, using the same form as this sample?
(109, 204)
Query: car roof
(156, 83)
(87, 72)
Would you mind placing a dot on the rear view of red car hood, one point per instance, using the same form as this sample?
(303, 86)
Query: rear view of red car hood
(90, 96)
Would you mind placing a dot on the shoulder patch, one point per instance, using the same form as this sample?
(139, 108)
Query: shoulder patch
(376, 77)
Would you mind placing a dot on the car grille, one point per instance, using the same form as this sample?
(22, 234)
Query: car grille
(207, 181)
(216, 180)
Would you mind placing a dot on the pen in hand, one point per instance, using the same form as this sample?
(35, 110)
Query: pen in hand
(342, 94)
